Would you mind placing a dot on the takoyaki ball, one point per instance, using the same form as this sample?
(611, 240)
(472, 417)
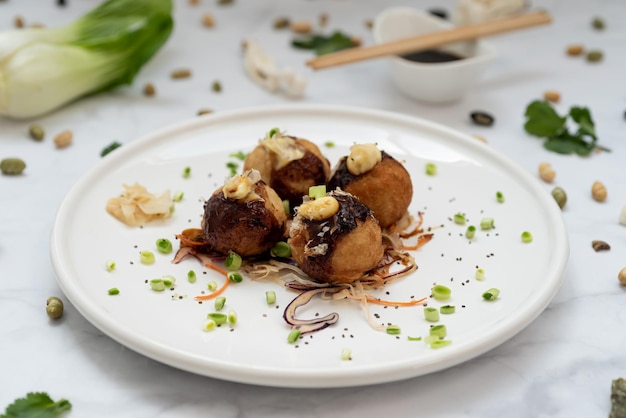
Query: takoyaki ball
(289, 165)
(336, 238)
(245, 216)
(377, 179)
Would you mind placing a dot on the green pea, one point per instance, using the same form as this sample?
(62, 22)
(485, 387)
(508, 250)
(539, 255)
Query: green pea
(559, 196)
(54, 307)
(595, 55)
(36, 132)
(12, 166)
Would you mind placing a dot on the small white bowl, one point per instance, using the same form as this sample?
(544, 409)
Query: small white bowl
(431, 82)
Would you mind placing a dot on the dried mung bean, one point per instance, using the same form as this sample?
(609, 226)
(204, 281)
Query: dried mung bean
(208, 20)
(181, 73)
(575, 50)
(204, 112)
(482, 118)
(301, 26)
(369, 23)
(216, 86)
(598, 23)
(552, 96)
(599, 245)
(18, 22)
(559, 196)
(149, 89)
(36, 132)
(622, 276)
(281, 22)
(595, 55)
(64, 139)
(598, 191)
(323, 19)
(54, 307)
(546, 172)
(12, 166)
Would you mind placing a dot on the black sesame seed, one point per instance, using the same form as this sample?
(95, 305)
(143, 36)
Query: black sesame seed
(482, 118)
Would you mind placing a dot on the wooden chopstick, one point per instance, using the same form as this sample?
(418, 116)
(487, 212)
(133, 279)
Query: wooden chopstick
(430, 40)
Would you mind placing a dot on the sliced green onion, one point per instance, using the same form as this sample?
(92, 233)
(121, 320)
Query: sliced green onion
(393, 330)
(440, 344)
(233, 167)
(491, 294)
(286, 207)
(527, 237)
(431, 314)
(281, 249)
(441, 292)
(273, 132)
(219, 303)
(219, 318)
(414, 338)
(430, 339)
(270, 297)
(470, 231)
(431, 169)
(240, 155)
(235, 277)
(316, 192)
(169, 281)
(157, 285)
(293, 336)
(113, 291)
(146, 257)
(110, 265)
(209, 325)
(329, 144)
(232, 317)
(212, 285)
(191, 276)
(164, 245)
(439, 331)
(186, 172)
(499, 197)
(233, 261)
(480, 274)
(459, 219)
(486, 223)
(178, 196)
(447, 309)
(346, 354)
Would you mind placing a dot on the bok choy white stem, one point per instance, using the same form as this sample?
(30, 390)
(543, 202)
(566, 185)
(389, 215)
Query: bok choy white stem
(42, 69)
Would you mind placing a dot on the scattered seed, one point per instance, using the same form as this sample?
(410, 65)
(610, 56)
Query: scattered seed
(600, 245)
(546, 172)
(12, 166)
(595, 55)
(281, 22)
(552, 96)
(54, 307)
(204, 112)
(598, 191)
(18, 22)
(575, 50)
(64, 139)
(482, 118)
(440, 13)
(481, 138)
(216, 86)
(622, 276)
(301, 26)
(598, 23)
(208, 20)
(36, 132)
(181, 73)
(149, 89)
(369, 23)
(559, 196)
(224, 2)
(323, 19)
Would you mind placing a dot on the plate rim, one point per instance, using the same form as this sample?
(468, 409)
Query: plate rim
(310, 378)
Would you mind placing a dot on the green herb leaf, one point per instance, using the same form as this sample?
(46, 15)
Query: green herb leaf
(322, 44)
(38, 405)
(582, 117)
(543, 121)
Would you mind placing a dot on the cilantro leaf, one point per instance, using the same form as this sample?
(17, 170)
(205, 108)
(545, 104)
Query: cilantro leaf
(322, 44)
(543, 121)
(36, 405)
(582, 117)
(567, 144)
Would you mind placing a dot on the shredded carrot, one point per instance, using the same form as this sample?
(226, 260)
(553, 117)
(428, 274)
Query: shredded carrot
(421, 240)
(391, 303)
(221, 289)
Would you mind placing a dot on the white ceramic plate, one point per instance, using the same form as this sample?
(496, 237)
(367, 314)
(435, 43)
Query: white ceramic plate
(164, 327)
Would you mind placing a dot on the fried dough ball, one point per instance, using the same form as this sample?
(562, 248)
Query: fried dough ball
(335, 239)
(245, 216)
(377, 179)
(289, 165)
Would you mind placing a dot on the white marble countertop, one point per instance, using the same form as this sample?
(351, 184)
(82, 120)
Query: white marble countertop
(561, 365)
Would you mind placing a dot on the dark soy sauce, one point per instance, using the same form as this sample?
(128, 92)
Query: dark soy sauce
(432, 56)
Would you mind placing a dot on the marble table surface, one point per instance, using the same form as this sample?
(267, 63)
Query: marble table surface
(561, 365)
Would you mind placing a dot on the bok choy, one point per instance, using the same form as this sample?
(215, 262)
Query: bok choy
(42, 69)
